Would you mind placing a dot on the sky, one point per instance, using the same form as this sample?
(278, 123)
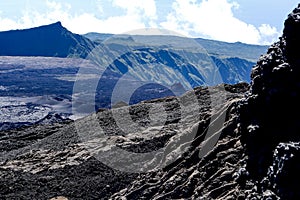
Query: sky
(247, 21)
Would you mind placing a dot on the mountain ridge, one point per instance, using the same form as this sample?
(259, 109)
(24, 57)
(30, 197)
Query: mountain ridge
(213, 47)
(39, 41)
(233, 60)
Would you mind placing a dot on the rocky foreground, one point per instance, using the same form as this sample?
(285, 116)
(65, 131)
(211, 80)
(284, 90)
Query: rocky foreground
(66, 159)
(255, 154)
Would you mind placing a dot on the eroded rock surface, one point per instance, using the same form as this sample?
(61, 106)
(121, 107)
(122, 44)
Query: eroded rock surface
(70, 159)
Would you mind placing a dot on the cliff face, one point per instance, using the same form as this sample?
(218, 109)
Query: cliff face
(50, 40)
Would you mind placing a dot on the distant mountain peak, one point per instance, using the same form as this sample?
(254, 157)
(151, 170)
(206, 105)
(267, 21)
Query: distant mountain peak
(54, 28)
(57, 25)
(51, 40)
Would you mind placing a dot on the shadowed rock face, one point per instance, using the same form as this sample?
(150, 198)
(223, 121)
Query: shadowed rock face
(291, 36)
(269, 115)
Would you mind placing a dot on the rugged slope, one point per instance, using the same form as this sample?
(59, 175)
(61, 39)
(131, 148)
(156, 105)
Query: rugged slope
(41, 162)
(39, 41)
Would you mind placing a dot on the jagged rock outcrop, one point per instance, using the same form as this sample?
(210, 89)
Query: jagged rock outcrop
(268, 116)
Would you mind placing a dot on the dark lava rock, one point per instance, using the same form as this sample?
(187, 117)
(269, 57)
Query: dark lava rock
(268, 115)
(284, 174)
